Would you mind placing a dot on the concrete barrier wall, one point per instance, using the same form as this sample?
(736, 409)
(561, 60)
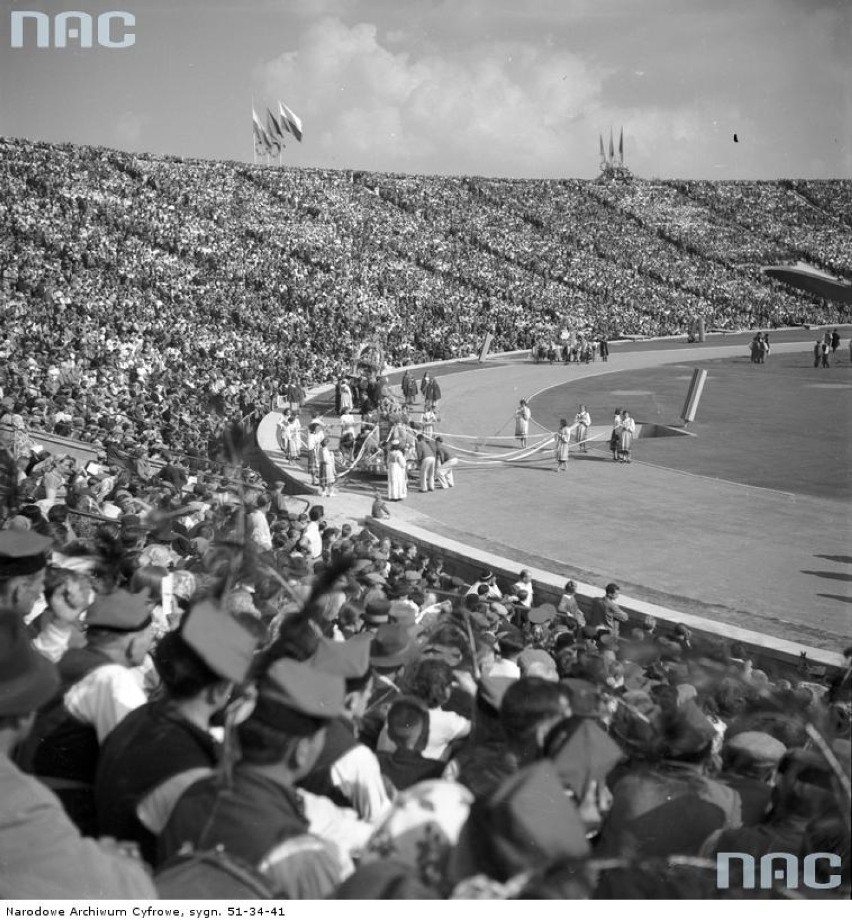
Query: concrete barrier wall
(468, 562)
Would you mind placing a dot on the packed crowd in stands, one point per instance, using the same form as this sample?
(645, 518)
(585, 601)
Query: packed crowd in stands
(207, 690)
(188, 656)
(147, 298)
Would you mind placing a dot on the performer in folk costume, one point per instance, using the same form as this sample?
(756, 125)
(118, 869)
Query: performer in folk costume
(397, 473)
(522, 423)
(315, 436)
(563, 444)
(327, 468)
(427, 421)
(616, 432)
(432, 394)
(582, 422)
(625, 437)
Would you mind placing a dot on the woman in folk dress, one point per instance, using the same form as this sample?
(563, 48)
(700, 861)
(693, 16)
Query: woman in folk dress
(563, 444)
(625, 438)
(427, 421)
(616, 434)
(582, 421)
(397, 474)
(327, 468)
(315, 437)
(522, 423)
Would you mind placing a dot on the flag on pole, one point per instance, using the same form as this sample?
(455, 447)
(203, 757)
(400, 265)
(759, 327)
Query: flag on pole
(611, 147)
(263, 143)
(621, 147)
(603, 153)
(290, 121)
(275, 130)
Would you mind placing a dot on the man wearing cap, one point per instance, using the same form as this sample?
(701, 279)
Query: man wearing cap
(511, 645)
(23, 560)
(98, 689)
(42, 854)
(673, 806)
(749, 761)
(489, 580)
(199, 665)
(255, 815)
(376, 610)
(390, 649)
(346, 771)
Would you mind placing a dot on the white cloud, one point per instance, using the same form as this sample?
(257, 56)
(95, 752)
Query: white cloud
(502, 107)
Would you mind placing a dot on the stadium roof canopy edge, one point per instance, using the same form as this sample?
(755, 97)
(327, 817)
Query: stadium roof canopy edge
(813, 280)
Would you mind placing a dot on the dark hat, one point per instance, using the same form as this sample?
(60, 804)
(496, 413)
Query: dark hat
(526, 823)
(27, 679)
(391, 646)
(163, 533)
(349, 660)
(22, 553)
(688, 731)
(290, 687)
(119, 611)
(385, 880)
(582, 752)
(511, 641)
(541, 614)
(583, 696)
(131, 526)
(491, 690)
(376, 610)
(634, 677)
(220, 640)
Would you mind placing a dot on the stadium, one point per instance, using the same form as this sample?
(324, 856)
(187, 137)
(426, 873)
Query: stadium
(402, 535)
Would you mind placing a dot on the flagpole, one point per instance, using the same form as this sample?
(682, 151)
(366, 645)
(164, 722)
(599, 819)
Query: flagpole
(253, 141)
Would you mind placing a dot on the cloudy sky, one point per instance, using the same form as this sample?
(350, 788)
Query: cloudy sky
(489, 87)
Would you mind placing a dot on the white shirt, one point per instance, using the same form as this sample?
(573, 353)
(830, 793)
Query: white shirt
(524, 592)
(505, 668)
(259, 530)
(444, 728)
(104, 698)
(357, 775)
(311, 535)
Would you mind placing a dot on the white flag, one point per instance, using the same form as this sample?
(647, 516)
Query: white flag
(290, 121)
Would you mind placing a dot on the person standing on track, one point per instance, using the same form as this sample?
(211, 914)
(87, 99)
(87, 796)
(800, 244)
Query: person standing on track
(563, 444)
(616, 432)
(582, 421)
(522, 423)
(426, 461)
(427, 421)
(625, 437)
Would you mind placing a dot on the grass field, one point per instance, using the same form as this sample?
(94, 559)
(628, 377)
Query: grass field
(784, 425)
